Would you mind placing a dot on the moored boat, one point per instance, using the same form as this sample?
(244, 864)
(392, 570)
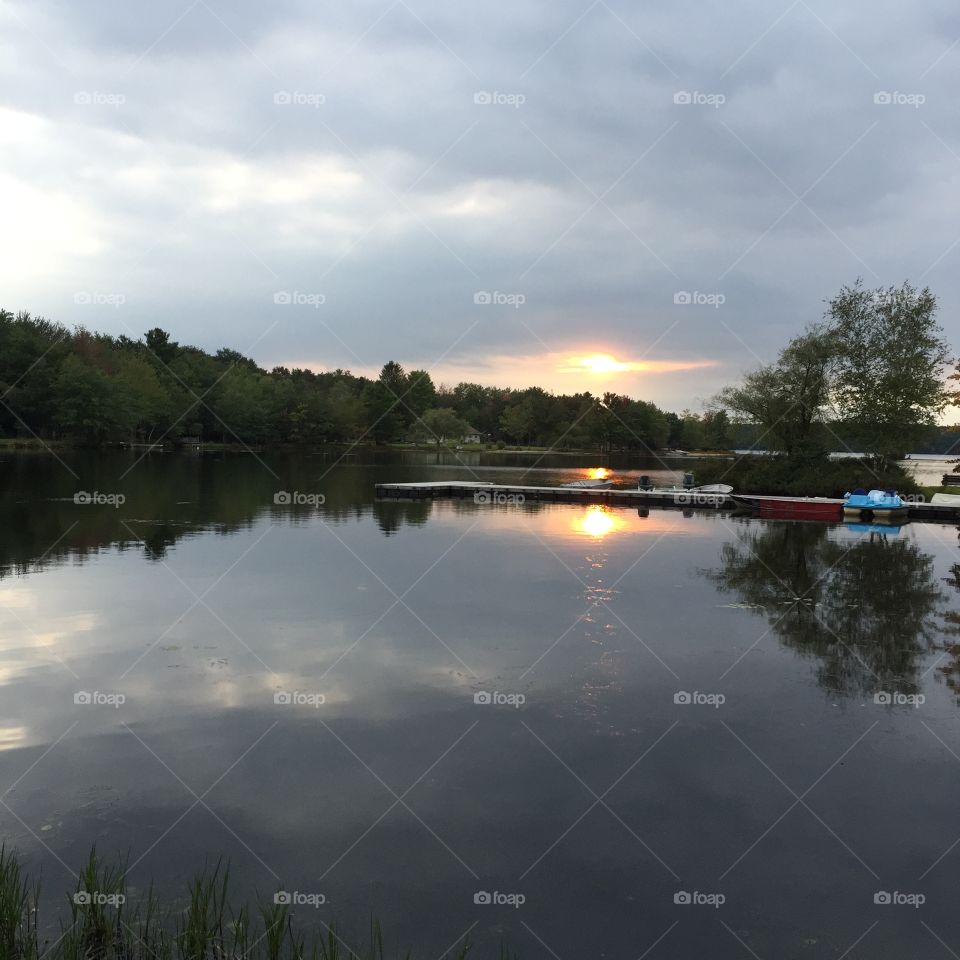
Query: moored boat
(707, 495)
(792, 508)
(588, 484)
(882, 506)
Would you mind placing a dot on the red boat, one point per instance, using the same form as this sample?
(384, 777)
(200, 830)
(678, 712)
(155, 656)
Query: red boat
(793, 508)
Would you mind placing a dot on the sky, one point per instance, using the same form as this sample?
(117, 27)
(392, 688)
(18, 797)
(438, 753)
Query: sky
(498, 192)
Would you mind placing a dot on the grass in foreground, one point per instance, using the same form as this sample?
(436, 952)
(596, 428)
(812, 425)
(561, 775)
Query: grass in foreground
(101, 923)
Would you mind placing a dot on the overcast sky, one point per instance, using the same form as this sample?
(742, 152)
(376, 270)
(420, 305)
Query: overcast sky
(339, 184)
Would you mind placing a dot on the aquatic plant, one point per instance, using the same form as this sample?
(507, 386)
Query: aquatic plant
(102, 924)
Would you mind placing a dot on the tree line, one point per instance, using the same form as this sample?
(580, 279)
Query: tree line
(95, 388)
(868, 376)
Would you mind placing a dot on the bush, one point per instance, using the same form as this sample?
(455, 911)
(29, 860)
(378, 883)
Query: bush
(805, 478)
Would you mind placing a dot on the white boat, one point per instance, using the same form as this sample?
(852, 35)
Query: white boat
(588, 484)
(714, 488)
(708, 495)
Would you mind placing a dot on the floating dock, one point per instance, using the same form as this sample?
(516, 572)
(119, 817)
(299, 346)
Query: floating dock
(510, 493)
(680, 499)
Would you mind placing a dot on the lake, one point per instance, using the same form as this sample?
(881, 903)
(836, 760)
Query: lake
(586, 732)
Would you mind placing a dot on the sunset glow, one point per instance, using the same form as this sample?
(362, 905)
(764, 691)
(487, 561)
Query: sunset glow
(561, 372)
(600, 364)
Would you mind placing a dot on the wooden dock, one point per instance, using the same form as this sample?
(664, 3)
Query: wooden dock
(500, 493)
(510, 493)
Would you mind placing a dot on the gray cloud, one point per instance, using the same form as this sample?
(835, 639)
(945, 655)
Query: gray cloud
(146, 152)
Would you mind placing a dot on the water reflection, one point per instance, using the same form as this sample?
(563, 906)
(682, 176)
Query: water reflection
(571, 606)
(391, 517)
(598, 522)
(863, 608)
(948, 671)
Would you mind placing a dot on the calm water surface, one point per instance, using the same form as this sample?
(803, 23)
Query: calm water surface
(589, 786)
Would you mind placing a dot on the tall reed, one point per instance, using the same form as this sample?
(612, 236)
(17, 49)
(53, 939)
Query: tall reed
(100, 923)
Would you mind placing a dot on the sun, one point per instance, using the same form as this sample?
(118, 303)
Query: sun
(606, 364)
(602, 363)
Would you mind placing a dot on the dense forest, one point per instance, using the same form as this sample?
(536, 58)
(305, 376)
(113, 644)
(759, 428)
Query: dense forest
(94, 388)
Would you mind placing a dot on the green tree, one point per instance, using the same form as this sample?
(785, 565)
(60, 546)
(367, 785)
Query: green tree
(344, 412)
(243, 404)
(440, 425)
(382, 413)
(160, 345)
(789, 398)
(889, 359)
(518, 421)
(86, 403)
(148, 403)
(691, 431)
(717, 433)
(421, 393)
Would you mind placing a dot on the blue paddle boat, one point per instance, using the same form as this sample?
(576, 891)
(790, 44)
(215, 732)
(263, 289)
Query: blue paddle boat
(883, 506)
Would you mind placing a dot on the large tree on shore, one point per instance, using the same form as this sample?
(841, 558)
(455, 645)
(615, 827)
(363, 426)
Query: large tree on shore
(790, 398)
(888, 368)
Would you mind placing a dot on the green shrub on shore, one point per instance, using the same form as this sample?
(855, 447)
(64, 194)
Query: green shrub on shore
(787, 476)
(102, 923)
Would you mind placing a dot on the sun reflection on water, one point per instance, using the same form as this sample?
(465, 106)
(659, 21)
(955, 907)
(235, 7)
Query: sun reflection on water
(597, 522)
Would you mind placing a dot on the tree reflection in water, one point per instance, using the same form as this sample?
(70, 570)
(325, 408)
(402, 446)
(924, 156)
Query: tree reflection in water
(864, 609)
(949, 669)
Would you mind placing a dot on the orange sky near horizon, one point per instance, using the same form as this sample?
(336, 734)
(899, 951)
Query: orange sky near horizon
(571, 371)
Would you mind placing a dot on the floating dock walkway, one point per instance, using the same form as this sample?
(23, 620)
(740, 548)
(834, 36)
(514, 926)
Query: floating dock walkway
(678, 499)
(510, 493)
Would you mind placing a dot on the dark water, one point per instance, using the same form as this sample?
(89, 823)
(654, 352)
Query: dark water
(598, 798)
